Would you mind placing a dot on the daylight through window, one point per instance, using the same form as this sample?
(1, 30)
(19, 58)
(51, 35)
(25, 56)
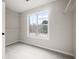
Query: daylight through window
(38, 24)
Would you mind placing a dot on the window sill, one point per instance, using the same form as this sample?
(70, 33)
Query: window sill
(42, 38)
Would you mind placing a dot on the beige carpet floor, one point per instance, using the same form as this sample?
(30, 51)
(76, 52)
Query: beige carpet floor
(23, 51)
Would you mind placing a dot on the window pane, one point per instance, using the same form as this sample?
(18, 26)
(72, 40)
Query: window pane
(43, 30)
(43, 22)
(33, 24)
(33, 19)
(38, 24)
(43, 16)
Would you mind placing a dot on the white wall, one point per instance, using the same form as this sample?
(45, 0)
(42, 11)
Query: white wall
(60, 28)
(11, 27)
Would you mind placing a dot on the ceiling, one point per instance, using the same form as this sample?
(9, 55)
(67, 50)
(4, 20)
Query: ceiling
(22, 5)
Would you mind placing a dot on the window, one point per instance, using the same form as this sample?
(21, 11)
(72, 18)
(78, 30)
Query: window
(38, 24)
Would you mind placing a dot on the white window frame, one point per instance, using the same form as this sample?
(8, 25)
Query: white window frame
(36, 37)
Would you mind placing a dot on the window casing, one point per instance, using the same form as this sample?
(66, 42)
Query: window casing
(37, 25)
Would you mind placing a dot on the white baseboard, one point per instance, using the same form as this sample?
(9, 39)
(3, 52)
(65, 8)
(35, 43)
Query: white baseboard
(7, 44)
(54, 50)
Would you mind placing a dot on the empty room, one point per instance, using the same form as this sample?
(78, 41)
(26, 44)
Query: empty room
(39, 29)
